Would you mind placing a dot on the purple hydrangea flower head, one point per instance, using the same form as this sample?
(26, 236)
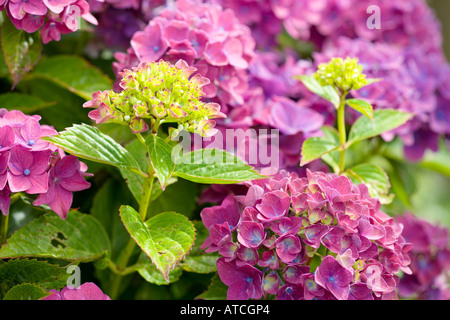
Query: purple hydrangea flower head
(344, 253)
(87, 291)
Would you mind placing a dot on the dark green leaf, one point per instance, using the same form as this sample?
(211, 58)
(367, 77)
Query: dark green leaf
(73, 73)
(79, 237)
(26, 103)
(217, 290)
(18, 271)
(26, 291)
(21, 50)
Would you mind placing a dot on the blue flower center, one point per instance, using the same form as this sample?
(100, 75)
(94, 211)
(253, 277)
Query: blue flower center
(289, 290)
(249, 279)
(331, 279)
(155, 48)
(26, 172)
(30, 142)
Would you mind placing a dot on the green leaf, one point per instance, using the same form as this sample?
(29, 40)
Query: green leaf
(198, 260)
(151, 274)
(331, 158)
(19, 271)
(375, 178)
(21, 50)
(180, 197)
(217, 290)
(89, 143)
(315, 147)
(26, 291)
(361, 106)
(26, 103)
(79, 237)
(160, 153)
(383, 120)
(213, 166)
(165, 238)
(73, 73)
(327, 92)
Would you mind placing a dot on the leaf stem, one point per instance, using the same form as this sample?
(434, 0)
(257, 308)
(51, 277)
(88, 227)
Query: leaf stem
(342, 131)
(120, 269)
(4, 229)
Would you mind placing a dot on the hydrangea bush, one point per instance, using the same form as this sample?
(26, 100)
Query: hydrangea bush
(223, 149)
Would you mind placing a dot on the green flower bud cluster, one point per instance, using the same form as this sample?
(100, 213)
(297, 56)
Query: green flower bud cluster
(155, 93)
(344, 74)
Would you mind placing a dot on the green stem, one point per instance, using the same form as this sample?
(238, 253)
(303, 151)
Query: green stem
(342, 132)
(120, 269)
(4, 230)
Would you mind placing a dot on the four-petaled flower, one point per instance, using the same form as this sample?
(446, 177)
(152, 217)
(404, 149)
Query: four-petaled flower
(334, 277)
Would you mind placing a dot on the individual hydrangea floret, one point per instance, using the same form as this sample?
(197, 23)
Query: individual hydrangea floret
(345, 74)
(31, 165)
(87, 291)
(316, 237)
(154, 93)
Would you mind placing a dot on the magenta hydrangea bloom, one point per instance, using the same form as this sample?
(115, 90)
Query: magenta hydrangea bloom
(30, 164)
(87, 291)
(52, 17)
(430, 260)
(357, 254)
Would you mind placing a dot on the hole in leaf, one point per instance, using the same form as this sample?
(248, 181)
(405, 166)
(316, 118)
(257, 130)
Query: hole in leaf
(57, 243)
(61, 236)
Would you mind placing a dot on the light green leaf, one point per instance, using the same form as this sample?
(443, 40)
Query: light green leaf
(165, 238)
(21, 50)
(26, 291)
(383, 120)
(79, 237)
(315, 147)
(89, 143)
(213, 166)
(161, 158)
(375, 178)
(73, 73)
(327, 92)
(361, 106)
(151, 274)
